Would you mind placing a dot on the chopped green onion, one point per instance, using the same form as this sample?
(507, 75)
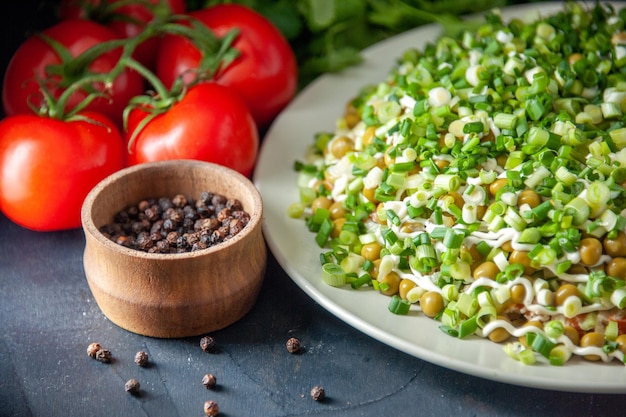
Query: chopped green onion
(360, 281)
(485, 315)
(527, 357)
(537, 177)
(513, 219)
(468, 327)
(487, 177)
(572, 306)
(324, 232)
(450, 292)
(611, 331)
(467, 304)
(618, 136)
(578, 208)
(483, 248)
(399, 306)
(505, 121)
(393, 217)
(453, 239)
(351, 263)
(505, 104)
(473, 127)
(449, 331)
(530, 235)
(565, 176)
(559, 355)
(450, 316)
(295, 210)
(618, 298)
(448, 182)
(460, 271)
(563, 267)
(513, 271)
(542, 211)
(540, 344)
(553, 329)
(598, 195)
(333, 275)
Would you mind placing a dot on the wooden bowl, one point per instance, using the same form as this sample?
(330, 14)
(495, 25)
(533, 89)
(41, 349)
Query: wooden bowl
(181, 294)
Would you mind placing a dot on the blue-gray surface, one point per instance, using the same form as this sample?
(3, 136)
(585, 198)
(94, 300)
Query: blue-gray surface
(48, 317)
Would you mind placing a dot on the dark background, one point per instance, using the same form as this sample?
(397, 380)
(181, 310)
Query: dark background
(48, 317)
(19, 20)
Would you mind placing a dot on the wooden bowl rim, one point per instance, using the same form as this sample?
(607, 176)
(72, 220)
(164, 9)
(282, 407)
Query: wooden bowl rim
(90, 228)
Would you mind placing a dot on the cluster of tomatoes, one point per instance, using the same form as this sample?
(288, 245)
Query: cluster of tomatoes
(115, 85)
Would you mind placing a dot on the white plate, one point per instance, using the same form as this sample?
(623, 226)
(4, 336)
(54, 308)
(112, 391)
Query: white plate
(316, 109)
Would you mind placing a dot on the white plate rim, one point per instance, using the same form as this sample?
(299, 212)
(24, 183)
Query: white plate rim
(296, 252)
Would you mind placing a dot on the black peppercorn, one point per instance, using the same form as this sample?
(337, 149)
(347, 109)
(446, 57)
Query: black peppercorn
(169, 225)
(234, 205)
(143, 205)
(318, 393)
(191, 238)
(179, 200)
(132, 386)
(223, 215)
(203, 211)
(186, 225)
(207, 343)
(122, 217)
(141, 358)
(162, 246)
(152, 213)
(293, 345)
(190, 212)
(205, 198)
(137, 227)
(198, 246)
(165, 203)
(103, 355)
(211, 408)
(209, 381)
(154, 227)
(143, 241)
(241, 215)
(218, 201)
(235, 226)
(132, 212)
(217, 236)
(93, 348)
(173, 214)
(124, 241)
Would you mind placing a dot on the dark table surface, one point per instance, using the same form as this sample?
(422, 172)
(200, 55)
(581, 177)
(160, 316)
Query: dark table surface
(48, 317)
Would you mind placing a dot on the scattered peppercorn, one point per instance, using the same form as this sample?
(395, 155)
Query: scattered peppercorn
(132, 386)
(293, 345)
(318, 393)
(103, 355)
(141, 358)
(177, 225)
(93, 348)
(207, 343)
(209, 381)
(211, 408)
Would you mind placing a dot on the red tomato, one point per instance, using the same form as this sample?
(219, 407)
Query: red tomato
(127, 20)
(265, 73)
(48, 166)
(33, 57)
(211, 123)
